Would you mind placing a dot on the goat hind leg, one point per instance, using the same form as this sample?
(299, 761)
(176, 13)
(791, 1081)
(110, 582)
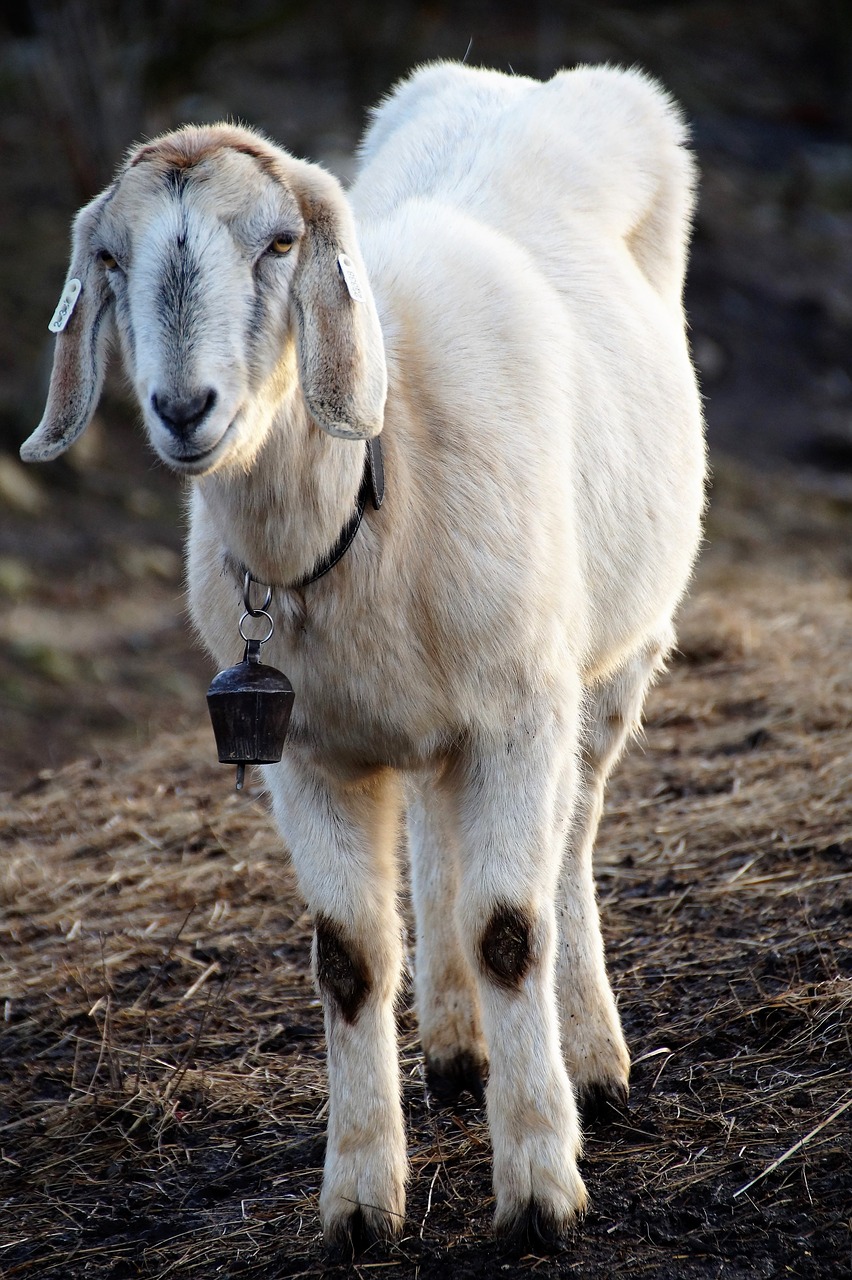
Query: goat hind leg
(593, 1043)
(445, 989)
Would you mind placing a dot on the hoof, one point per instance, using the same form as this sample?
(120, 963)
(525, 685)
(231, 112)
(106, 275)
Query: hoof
(449, 1080)
(536, 1229)
(603, 1103)
(350, 1237)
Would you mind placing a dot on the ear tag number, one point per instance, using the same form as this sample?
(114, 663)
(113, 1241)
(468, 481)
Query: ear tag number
(350, 276)
(66, 305)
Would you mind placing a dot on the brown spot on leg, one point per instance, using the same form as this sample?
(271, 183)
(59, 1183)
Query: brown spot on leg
(505, 950)
(342, 973)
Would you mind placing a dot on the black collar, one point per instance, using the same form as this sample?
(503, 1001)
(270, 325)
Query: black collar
(372, 487)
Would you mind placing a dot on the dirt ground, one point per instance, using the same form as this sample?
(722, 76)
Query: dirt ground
(162, 1098)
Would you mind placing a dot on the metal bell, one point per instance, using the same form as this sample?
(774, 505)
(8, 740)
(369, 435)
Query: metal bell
(250, 707)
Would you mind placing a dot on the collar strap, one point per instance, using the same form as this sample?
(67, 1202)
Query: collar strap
(372, 488)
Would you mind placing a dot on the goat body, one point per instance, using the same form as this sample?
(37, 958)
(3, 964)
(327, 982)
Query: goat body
(480, 656)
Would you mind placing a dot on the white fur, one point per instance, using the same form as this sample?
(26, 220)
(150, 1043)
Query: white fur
(493, 628)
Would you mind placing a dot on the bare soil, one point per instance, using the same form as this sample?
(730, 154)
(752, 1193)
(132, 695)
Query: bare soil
(162, 1098)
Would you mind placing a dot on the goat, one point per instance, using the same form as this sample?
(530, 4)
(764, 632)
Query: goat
(507, 313)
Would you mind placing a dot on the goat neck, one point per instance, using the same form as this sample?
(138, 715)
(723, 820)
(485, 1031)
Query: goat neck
(279, 515)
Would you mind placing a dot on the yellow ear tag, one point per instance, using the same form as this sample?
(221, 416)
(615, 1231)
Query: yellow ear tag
(66, 305)
(350, 277)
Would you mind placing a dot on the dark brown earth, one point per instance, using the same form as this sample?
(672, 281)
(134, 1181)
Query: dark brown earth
(161, 1058)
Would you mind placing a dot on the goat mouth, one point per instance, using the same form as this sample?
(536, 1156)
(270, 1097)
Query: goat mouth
(198, 463)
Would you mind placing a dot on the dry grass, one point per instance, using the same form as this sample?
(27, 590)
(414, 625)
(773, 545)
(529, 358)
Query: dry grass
(162, 1103)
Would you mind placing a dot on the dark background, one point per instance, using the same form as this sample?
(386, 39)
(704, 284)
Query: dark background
(91, 613)
(767, 85)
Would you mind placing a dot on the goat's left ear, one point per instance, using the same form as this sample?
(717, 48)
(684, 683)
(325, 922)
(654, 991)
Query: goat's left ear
(83, 326)
(339, 340)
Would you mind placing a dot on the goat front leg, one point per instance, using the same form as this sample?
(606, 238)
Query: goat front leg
(511, 823)
(342, 837)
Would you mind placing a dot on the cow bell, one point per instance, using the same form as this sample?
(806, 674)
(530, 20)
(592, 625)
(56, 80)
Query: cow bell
(250, 707)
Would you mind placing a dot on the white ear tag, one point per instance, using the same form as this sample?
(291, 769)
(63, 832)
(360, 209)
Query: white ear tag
(350, 276)
(66, 305)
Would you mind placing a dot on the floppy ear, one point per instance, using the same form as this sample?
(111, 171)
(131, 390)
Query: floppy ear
(338, 337)
(83, 325)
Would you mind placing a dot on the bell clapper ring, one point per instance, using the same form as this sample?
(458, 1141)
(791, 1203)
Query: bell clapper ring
(252, 653)
(251, 609)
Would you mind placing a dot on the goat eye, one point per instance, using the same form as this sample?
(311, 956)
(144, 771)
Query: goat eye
(107, 259)
(281, 245)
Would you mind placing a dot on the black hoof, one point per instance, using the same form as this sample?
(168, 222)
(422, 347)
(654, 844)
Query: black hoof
(351, 1237)
(535, 1230)
(603, 1103)
(449, 1080)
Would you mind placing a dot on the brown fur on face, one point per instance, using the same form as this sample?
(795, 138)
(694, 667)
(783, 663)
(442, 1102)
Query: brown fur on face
(341, 354)
(192, 145)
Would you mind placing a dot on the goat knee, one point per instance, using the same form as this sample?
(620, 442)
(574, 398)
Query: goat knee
(507, 946)
(342, 973)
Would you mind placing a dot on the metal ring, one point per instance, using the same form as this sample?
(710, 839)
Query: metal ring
(257, 613)
(250, 609)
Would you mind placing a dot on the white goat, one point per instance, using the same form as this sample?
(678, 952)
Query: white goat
(510, 319)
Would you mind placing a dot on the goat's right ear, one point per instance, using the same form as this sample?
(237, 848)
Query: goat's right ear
(82, 342)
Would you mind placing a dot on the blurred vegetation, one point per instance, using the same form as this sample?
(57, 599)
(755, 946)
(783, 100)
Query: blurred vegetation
(767, 85)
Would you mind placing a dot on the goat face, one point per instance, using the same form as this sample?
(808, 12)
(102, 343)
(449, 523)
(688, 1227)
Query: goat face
(214, 257)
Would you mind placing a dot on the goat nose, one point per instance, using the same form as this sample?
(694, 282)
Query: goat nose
(181, 413)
